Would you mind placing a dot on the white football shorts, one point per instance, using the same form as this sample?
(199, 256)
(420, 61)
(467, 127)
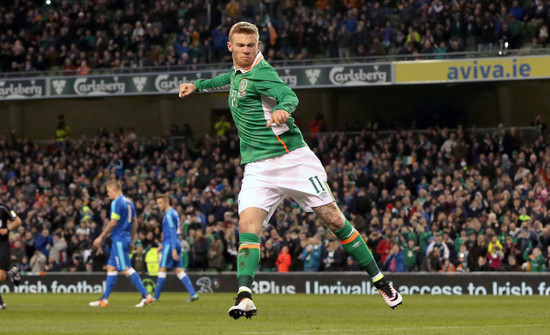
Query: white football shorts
(298, 174)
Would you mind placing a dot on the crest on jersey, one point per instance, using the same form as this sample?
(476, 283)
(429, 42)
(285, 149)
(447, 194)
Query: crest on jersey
(243, 85)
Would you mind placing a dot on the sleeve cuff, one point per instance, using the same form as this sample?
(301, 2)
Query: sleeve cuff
(197, 86)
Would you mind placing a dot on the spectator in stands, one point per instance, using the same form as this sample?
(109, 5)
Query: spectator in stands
(38, 262)
(543, 35)
(535, 262)
(335, 258)
(215, 253)
(394, 261)
(538, 122)
(58, 249)
(495, 257)
(481, 264)
(511, 265)
(138, 258)
(311, 255)
(432, 262)
(410, 251)
(222, 126)
(284, 260)
(268, 257)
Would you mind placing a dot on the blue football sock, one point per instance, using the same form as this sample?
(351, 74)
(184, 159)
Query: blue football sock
(111, 280)
(187, 282)
(160, 284)
(136, 281)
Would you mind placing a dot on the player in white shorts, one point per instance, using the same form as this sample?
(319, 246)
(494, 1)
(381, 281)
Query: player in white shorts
(267, 182)
(277, 163)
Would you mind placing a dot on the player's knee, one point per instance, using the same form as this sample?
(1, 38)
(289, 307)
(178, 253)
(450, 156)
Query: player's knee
(331, 216)
(2, 275)
(181, 274)
(249, 226)
(251, 219)
(129, 271)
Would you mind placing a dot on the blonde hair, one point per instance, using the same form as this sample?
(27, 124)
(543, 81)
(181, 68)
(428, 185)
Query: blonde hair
(244, 28)
(163, 196)
(113, 183)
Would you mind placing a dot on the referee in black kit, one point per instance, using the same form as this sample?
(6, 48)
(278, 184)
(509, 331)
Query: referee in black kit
(8, 221)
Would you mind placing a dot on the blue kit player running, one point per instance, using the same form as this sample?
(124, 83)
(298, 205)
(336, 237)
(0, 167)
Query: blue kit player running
(122, 227)
(171, 248)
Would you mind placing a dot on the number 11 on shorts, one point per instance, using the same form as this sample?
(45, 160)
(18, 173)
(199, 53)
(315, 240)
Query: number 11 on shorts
(320, 189)
(311, 179)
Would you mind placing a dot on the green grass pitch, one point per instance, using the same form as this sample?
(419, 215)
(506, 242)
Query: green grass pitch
(277, 314)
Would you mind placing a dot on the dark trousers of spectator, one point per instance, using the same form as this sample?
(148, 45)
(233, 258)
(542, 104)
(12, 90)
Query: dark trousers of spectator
(419, 259)
(410, 268)
(200, 261)
(296, 265)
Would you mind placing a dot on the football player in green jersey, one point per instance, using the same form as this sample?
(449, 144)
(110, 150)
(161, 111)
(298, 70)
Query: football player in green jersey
(277, 163)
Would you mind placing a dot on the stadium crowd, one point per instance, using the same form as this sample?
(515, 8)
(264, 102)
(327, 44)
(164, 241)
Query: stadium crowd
(436, 200)
(77, 36)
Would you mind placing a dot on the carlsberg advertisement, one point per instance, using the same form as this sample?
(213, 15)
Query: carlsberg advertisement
(168, 83)
(297, 77)
(22, 89)
(113, 85)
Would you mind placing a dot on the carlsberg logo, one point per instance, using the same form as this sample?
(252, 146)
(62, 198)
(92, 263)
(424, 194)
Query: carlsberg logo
(356, 76)
(85, 86)
(22, 89)
(170, 84)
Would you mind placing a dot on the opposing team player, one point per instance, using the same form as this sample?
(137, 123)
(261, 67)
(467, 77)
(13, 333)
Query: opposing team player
(123, 228)
(277, 162)
(171, 248)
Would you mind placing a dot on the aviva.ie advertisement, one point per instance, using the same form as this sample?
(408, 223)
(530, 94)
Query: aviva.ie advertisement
(468, 70)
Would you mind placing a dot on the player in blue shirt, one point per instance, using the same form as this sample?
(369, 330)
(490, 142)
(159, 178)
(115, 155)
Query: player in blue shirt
(171, 248)
(122, 228)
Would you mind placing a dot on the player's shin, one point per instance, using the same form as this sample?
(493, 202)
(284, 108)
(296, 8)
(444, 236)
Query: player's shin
(136, 281)
(187, 282)
(355, 245)
(109, 284)
(161, 279)
(247, 260)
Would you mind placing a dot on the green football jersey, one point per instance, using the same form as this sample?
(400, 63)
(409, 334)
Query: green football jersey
(253, 95)
(409, 256)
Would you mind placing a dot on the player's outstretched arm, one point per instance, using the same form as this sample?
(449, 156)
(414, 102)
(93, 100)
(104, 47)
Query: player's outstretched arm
(186, 89)
(205, 84)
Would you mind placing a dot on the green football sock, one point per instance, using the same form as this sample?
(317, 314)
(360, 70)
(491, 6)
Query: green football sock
(354, 244)
(248, 259)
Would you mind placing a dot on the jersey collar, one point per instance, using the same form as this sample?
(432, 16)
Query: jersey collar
(258, 58)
